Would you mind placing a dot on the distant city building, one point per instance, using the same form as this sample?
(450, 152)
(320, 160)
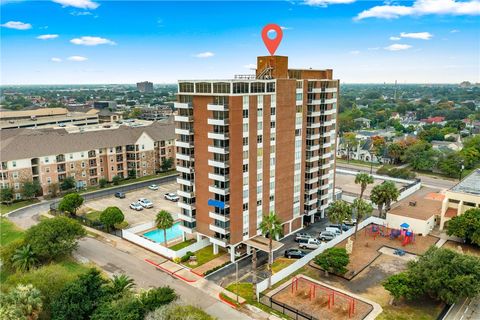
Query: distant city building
(51, 155)
(156, 113)
(254, 145)
(362, 122)
(145, 86)
(432, 120)
(105, 104)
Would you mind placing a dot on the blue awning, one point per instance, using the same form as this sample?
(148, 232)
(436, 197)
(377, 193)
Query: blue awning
(216, 203)
(405, 225)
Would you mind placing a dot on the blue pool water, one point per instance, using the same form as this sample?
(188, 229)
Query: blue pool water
(157, 234)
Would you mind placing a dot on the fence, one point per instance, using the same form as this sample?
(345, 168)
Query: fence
(285, 308)
(282, 274)
(130, 235)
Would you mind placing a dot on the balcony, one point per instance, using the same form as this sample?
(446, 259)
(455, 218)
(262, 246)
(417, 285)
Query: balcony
(313, 136)
(185, 182)
(311, 180)
(313, 125)
(311, 202)
(311, 169)
(183, 144)
(313, 148)
(219, 150)
(217, 190)
(184, 217)
(179, 105)
(92, 154)
(326, 155)
(221, 242)
(219, 217)
(183, 118)
(186, 229)
(218, 164)
(329, 112)
(331, 100)
(180, 168)
(184, 131)
(60, 158)
(217, 107)
(185, 194)
(311, 191)
(218, 136)
(218, 122)
(313, 159)
(186, 206)
(219, 229)
(185, 157)
(213, 176)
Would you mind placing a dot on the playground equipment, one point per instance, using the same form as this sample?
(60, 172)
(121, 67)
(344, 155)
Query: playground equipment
(332, 294)
(377, 230)
(405, 233)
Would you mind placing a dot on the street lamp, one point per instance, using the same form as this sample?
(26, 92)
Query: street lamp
(462, 167)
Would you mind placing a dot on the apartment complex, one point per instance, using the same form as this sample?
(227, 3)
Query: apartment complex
(463, 196)
(253, 145)
(145, 86)
(50, 155)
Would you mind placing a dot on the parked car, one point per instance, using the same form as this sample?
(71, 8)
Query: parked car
(120, 195)
(302, 235)
(294, 253)
(171, 196)
(326, 236)
(153, 187)
(311, 243)
(343, 226)
(145, 203)
(334, 230)
(350, 222)
(136, 206)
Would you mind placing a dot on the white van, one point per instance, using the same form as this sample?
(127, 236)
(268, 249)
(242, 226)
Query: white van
(311, 243)
(334, 230)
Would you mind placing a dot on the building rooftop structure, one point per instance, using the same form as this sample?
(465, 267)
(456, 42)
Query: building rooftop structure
(470, 185)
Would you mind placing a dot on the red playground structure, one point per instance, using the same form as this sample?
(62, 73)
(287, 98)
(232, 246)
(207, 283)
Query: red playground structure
(405, 234)
(375, 230)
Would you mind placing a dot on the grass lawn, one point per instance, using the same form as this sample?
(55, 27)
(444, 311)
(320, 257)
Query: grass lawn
(16, 205)
(182, 245)
(281, 263)
(204, 255)
(8, 232)
(359, 162)
(93, 215)
(414, 310)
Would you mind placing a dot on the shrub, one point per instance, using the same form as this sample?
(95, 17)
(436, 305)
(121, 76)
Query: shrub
(155, 298)
(111, 216)
(334, 260)
(175, 312)
(187, 256)
(116, 180)
(466, 226)
(102, 182)
(8, 251)
(70, 203)
(216, 268)
(122, 225)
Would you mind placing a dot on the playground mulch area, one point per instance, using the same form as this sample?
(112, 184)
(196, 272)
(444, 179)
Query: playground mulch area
(365, 249)
(466, 248)
(301, 298)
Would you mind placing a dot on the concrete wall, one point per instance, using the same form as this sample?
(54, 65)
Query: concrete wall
(422, 227)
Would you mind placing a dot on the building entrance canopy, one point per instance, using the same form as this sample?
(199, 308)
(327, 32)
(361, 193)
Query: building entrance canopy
(261, 243)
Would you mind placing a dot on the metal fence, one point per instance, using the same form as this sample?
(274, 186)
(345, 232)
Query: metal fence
(285, 308)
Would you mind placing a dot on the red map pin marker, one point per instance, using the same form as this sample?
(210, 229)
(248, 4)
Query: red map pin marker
(272, 44)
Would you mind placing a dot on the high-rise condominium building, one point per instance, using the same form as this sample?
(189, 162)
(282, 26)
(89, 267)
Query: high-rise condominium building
(254, 145)
(145, 86)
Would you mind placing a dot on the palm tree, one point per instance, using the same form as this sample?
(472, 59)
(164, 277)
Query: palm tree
(164, 221)
(24, 258)
(363, 179)
(339, 211)
(362, 209)
(271, 226)
(121, 284)
(383, 195)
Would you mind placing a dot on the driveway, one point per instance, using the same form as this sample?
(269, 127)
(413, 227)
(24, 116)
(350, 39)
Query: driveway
(146, 215)
(227, 275)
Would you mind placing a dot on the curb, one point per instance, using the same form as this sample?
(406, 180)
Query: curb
(230, 304)
(169, 272)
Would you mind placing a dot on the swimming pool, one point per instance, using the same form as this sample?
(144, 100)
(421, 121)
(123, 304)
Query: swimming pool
(157, 234)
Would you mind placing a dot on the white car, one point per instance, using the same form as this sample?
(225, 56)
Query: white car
(172, 197)
(311, 243)
(153, 187)
(145, 203)
(136, 206)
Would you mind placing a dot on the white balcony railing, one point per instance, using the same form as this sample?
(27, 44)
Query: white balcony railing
(219, 217)
(218, 229)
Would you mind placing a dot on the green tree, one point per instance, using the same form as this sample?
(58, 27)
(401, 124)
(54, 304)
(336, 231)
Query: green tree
(339, 211)
(24, 258)
(121, 284)
(402, 285)
(24, 301)
(395, 151)
(102, 182)
(176, 312)
(30, 189)
(167, 164)
(450, 164)
(363, 179)
(466, 226)
(6, 195)
(470, 157)
(164, 221)
(157, 297)
(111, 216)
(383, 195)
(116, 180)
(53, 238)
(70, 203)
(79, 299)
(362, 209)
(68, 183)
(333, 260)
(126, 308)
(351, 142)
(271, 226)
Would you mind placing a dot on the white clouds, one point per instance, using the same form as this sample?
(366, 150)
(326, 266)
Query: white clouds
(82, 4)
(18, 25)
(80, 13)
(285, 28)
(398, 47)
(324, 3)
(47, 36)
(77, 58)
(91, 41)
(54, 59)
(250, 66)
(394, 38)
(423, 7)
(355, 52)
(454, 31)
(417, 35)
(206, 54)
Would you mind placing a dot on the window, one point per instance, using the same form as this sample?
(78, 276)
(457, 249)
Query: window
(46, 159)
(245, 206)
(260, 125)
(245, 113)
(272, 111)
(184, 98)
(245, 181)
(245, 127)
(240, 87)
(272, 124)
(259, 177)
(47, 169)
(203, 87)
(15, 175)
(299, 96)
(82, 155)
(17, 186)
(245, 141)
(257, 87)
(84, 174)
(245, 154)
(71, 166)
(83, 164)
(270, 86)
(71, 156)
(221, 87)
(245, 168)
(259, 139)
(14, 163)
(186, 87)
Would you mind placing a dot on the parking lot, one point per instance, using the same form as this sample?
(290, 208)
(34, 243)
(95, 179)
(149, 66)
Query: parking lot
(146, 215)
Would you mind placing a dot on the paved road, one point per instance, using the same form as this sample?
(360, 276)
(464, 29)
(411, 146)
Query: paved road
(27, 217)
(465, 309)
(427, 181)
(115, 261)
(227, 275)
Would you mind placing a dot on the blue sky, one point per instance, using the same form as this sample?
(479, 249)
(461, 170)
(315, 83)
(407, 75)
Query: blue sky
(82, 41)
